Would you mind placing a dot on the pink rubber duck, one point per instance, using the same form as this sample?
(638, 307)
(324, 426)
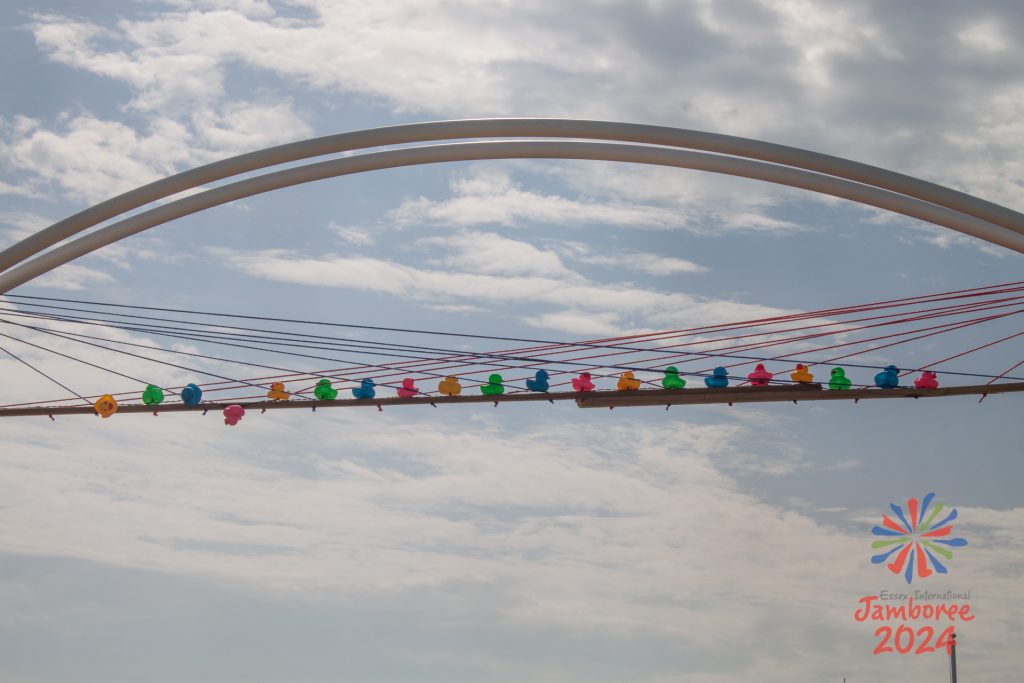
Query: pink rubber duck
(233, 415)
(927, 380)
(582, 383)
(408, 388)
(760, 377)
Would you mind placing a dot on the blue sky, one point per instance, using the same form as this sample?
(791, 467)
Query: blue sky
(706, 545)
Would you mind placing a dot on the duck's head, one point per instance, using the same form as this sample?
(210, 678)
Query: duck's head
(720, 372)
(760, 368)
(892, 369)
(494, 379)
(585, 375)
(838, 372)
(671, 370)
(367, 383)
(324, 383)
(450, 379)
(408, 383)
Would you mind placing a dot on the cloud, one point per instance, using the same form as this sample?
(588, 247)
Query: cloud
(353, 234)
(652, 264)
(490, 253)
(73, 277)
(488, 197)
(584, 533)
(634, 307)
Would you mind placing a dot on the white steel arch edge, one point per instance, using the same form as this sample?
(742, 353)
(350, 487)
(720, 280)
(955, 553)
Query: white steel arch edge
(634, 143)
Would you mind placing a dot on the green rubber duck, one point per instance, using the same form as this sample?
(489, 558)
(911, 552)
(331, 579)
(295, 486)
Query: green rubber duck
(153, 395)
(324, 391)
(672, 380)
(494, 386)
(839, 381)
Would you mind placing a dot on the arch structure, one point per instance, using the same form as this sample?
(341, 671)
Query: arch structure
(504, 138)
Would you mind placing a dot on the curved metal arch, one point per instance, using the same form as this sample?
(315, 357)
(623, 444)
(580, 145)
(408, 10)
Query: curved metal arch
(514, 127)
(471, 151)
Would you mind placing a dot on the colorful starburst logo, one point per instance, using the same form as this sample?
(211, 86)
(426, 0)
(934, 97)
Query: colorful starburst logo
(916, 541)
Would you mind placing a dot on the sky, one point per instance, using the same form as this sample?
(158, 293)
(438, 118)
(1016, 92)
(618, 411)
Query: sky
(711, 544)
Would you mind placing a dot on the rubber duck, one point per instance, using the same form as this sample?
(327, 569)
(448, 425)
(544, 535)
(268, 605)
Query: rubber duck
(365, 389)
(277, 392)
(627, 382)
(539, 382)
(494, 386)
(889, 378)
(191, 395)
(719, 379)
(802, 375)
(233, 415)
(582, 383)
(672, 380)
(927, 380)
(408, 388)
(153, 395)
(324, 391)
(838, 381)
(760, 377)
(105, 405)
(450, 386)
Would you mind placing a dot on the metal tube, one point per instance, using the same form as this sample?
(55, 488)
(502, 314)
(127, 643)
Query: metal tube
(512, 127)
(512, 149)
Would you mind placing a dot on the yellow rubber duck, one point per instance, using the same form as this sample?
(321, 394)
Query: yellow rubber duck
(277, 392)
(105, 405)
(628, 382)
(802, 375)
(449, 386)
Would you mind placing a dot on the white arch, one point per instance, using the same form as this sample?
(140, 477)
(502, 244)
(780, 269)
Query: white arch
(826, 174)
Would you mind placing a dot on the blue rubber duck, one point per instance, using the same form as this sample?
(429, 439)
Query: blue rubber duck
(889, 378)
(365, 389)
(191, 395)
(539, 382)
(719, 378)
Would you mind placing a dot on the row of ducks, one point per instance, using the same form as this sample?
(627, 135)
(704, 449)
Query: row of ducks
(192, 394)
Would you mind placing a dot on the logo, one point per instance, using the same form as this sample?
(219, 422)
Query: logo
(917, 542)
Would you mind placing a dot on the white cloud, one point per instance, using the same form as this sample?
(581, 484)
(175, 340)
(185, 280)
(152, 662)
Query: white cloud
(634, 307)
(489, 253)
(488, 197)
(72, 277)
(652, 264)
(353, 234)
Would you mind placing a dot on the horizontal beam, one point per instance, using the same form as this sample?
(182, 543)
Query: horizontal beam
(512, 127)
(511, 149)
(590, 399)
(771, 394)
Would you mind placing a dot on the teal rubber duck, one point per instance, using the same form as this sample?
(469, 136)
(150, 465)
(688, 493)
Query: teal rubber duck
(365, 389)
(539, 382)
(719, 379)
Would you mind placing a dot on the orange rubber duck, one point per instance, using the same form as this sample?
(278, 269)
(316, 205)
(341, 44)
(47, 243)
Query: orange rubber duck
(450, 386)
(628, 382)
(277, 392)
(802, 375)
